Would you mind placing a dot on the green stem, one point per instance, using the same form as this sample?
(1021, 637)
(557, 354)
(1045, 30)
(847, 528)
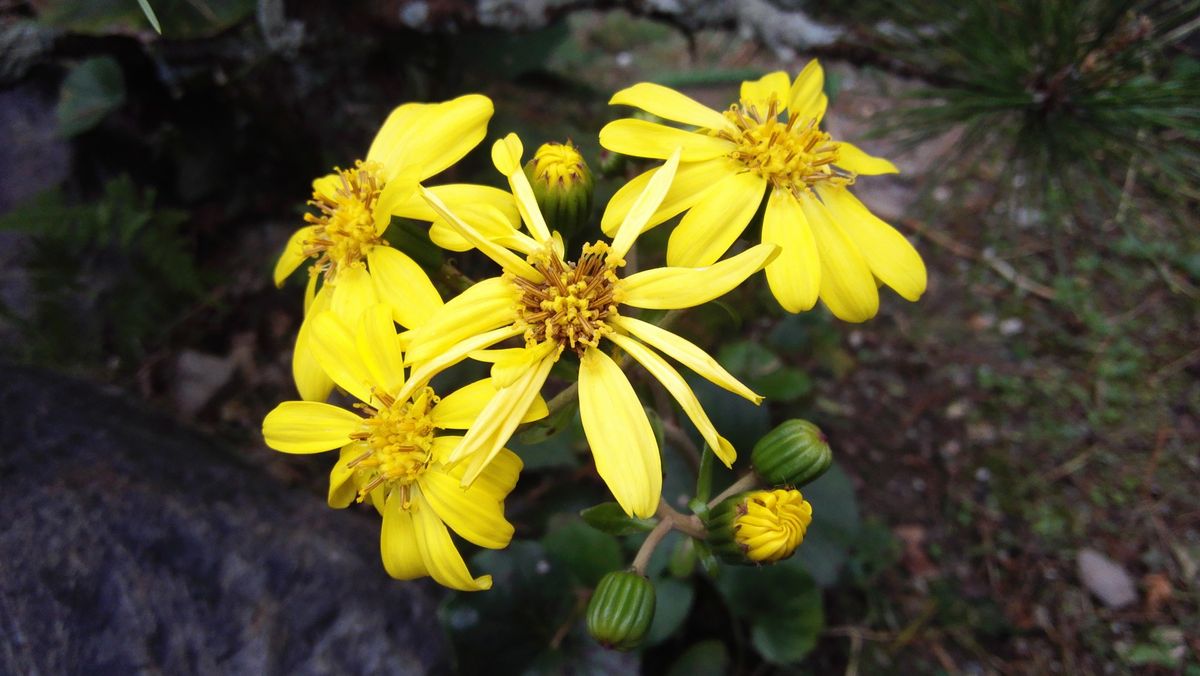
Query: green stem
(748, 481)
(669, 520)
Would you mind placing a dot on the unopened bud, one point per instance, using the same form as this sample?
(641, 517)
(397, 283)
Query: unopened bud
(621, 610)
(759, 526)
(793, 454)
(563, 186)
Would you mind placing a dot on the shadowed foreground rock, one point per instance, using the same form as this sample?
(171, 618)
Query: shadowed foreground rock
(131, 545)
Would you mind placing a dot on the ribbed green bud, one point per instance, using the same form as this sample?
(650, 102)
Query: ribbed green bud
(758, 527)
(621, 610)
(793, 454)
(563, 186)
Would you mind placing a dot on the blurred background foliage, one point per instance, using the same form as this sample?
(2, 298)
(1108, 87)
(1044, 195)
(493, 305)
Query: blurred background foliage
(1041, 401)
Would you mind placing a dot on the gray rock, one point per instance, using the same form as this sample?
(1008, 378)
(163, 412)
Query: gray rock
(131, 545)
(1106, 579)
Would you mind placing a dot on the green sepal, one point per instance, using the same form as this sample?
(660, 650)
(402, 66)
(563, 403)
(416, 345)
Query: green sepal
(621, 610)
(793, 454)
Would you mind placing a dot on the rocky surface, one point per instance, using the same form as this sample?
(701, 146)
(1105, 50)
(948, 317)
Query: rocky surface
(131, 545)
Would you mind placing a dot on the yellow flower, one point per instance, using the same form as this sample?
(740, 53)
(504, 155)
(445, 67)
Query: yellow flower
(560, 306)
(393, 451)
(353, 208)
(759, 526)
(770, 142)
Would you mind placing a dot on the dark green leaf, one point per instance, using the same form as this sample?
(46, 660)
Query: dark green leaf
(149, 12)
(176, 18)
(672, 601)
(835, 526)
(92, 90)
(586, 552)
(609, 518)
(707, 658)
(781, 603)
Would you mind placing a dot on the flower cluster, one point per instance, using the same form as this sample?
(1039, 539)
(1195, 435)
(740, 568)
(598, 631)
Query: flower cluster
(376, 326)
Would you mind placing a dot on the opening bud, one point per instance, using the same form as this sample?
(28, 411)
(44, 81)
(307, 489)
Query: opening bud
(759, 527)
(793, 454)
(563, 186)
(621, 610)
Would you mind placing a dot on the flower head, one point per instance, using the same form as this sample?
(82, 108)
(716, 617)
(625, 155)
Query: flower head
(353, 266)
(394, 451)
(768, 143)
(759, 526)
(563, 186)
(563, 306)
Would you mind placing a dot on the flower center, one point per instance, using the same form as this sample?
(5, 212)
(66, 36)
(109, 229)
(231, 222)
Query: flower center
(771, 524)
(792, 154)
(345, 226)
(572, 305)
(398, 438)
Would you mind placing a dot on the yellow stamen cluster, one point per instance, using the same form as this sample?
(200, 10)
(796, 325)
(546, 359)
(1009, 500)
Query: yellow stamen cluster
(399, 441)
(572, 305)
(771, 524)
(559, 164)
(793, 155)
(345, 226)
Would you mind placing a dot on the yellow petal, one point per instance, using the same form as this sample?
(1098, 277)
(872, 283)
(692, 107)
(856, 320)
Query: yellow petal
(647, 139)
(459, 409)
(337, 352)
(795, 276)
(308, 427)
(891, 256)
(403, 285)
(506, 155)
(507, 369)
(353, 292)
(678, 387)
(395, 192)
(673, 288)
(644, 207)
(379, 348)
(847, 286)
(711, 227)
(807, 92)
(460, 195)
(423, 373)
(852, 158)
(472, 512)
(311, 380)
(620, 435)
(327, 186)
(342, 489)
(293, 254)
(760, 92)
(670, 105)
(398, 542)
(505, 258)
(484, 306)
(489, 221)
(441, 558)
(499, 419)
(428, 137)
(686, 353)
(310, 289)
(692, 181)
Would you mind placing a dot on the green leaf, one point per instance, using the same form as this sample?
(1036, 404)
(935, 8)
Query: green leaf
(764, 371)
(608, 517)
(672, 601)
(93, 89)
(149, 12)
(586, 552)
(707, 658)
(783, 606)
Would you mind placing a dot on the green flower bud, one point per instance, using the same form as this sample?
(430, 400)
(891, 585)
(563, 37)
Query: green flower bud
(563, 186)
(793, 454)
(621, 610)
(759, 526)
